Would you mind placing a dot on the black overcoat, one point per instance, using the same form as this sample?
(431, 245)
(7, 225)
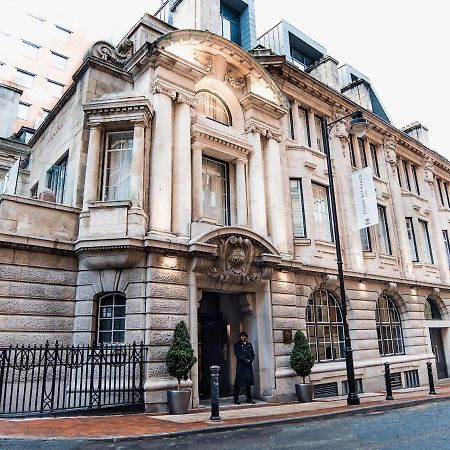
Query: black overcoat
(244, 369)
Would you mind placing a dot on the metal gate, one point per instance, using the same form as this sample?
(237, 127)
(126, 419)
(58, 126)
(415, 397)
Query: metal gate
(48, 379)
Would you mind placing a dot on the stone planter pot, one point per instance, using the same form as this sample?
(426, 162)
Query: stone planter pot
(178, 401)
(305, 392)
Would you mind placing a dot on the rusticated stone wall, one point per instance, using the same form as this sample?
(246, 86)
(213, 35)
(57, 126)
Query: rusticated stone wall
(37, 292)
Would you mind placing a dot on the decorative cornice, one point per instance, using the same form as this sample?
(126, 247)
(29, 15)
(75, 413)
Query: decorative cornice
(162, 88)
(115, 55)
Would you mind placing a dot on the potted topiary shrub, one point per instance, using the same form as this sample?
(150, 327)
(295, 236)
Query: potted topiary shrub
(302, 361)
(179, 360)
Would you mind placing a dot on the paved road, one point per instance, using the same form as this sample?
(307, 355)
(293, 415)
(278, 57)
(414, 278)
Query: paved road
(423, 427)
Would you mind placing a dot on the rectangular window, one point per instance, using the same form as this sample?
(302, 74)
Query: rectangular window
(412, 240)
(298, 210)
(373, 154)
(30, 50)
(362, 152)
(398, 174)
(290, 122)
(55, 88)
(352, 152)
(415, 179)
(25, 79)
(383, 232)
(23, 111)
(56, 179)
(446, 193)
(426, 242)
(406, 174)
(319, 134)
(322, 214)
(45, 113)
(441, 196)
(62, 34)
(117, 172)
(34, 190)
(215, 190)
(366, 244)
(226, 28)
(304, 137)
(447, 244)
(59, 61)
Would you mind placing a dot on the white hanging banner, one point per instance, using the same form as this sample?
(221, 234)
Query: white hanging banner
(10, 180)
(365, 198)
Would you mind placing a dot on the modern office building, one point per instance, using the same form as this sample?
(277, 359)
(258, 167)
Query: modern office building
(186, 179)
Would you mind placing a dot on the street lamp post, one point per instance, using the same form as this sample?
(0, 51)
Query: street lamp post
(358, 127)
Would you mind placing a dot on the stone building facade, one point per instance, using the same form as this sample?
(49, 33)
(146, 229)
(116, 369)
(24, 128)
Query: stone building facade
(189, 183)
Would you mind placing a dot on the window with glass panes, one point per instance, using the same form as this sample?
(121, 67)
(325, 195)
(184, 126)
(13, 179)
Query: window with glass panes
(30, 50)
(426, 242)
(411, 239)
(362, 152)
(59, 61)
(111, 319)
(117, 171)
(389, 327)
(322, 214)
(373, 154)
(55, 89)
(298, 211)
(215, 190)
(23, 110)
(432, 311)
(352, 152)
(324, 327)
(447, 244)
(383, 232)
(415, 179)
(25, 79)
(440, 191)
(290, 122)
(319, 133)
(366, 243)
(406, 174)
(212, 107)
(56, 179)
(62, 34)
(304, 137)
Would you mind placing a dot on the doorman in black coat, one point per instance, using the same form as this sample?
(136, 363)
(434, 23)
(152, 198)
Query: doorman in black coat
(244, 369)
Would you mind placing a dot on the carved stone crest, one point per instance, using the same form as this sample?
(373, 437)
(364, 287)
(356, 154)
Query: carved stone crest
(234, 262)
(428, 170)
(234, 79)
(391, 150)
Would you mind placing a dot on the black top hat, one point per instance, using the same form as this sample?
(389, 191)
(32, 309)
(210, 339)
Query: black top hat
(243, 333)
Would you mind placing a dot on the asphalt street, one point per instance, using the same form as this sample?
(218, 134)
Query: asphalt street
(423, 427)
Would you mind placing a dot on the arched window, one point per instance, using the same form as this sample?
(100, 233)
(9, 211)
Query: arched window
(432, 310)
(324, 327)
(111, 319)
(213, 107)
(389, 327)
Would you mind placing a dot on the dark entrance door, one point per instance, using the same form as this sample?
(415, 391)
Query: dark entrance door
(213, 345)
(438, 350)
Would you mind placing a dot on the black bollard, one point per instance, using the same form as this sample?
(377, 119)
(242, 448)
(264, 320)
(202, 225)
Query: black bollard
(215, 417)
(387, 379)
(430, 379)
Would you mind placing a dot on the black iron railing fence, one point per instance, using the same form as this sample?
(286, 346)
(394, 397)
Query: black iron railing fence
(48, 379)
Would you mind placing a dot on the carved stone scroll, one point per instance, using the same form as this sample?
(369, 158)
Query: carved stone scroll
(234, 79)
(115, 55)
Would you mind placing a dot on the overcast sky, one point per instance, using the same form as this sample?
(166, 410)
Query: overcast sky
(401, 45)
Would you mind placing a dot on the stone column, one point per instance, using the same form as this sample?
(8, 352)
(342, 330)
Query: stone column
(181, 167)
(161, 160)
(312, 129)
(137, 166)
(197, 184)
(397, 206)
(256, 182)
(92, 167)
(274, 192)
(435, 226)
(241, 193)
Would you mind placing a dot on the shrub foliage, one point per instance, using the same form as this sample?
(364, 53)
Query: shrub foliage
(302, 360)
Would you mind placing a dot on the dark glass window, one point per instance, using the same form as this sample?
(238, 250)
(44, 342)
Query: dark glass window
(432, 310)
(298, 210)
(324, 327)
(352, 152)
(362, 152)
(389, 327)
(230, 22)
(441, 196)
(111, 319)
(405, 171)
(416, 181)
(412, 240)
(383, 232)
(447, 244)
(426, 242)
(365, 239)
(56, 179)
(375, 166)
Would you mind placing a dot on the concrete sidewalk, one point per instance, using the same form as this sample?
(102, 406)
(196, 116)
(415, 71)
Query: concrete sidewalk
(119, 427)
